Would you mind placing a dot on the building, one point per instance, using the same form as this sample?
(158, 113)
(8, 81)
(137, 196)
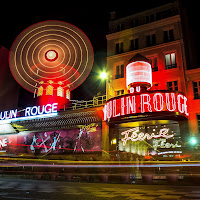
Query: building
(156, 34)
(138, 121)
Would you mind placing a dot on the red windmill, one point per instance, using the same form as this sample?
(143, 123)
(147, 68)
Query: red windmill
(50, 59)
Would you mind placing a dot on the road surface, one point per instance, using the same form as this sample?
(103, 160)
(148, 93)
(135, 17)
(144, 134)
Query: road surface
(14, 188)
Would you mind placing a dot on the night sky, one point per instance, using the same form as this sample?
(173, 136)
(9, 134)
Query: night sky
(91, 17)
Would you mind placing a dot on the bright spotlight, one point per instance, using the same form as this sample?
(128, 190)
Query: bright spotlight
(103, 75)
(193, 141)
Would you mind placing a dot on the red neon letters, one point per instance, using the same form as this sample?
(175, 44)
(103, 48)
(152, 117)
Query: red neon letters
(146, 103)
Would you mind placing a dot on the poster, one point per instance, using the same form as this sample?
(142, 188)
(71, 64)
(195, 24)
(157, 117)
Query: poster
(84, 138)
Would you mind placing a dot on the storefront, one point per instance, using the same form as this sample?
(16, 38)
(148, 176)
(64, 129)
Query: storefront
(71, 134)
(147, 140)
(146, 124)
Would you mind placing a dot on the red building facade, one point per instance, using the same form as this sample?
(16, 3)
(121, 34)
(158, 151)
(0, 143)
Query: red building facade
(152, 118)
(157, 35)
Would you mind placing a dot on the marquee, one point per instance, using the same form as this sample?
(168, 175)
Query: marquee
(148, 102)
(28, 113)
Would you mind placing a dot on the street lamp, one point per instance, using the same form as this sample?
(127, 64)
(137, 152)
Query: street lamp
(110, 91)
(103, 75)
(193, 141)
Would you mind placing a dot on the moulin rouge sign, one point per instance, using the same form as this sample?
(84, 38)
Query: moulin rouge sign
(148, 102)
(29, 112)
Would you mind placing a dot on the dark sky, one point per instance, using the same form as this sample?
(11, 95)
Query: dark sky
(91, 17)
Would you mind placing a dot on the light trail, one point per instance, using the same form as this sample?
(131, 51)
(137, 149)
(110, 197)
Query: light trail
(100, 165)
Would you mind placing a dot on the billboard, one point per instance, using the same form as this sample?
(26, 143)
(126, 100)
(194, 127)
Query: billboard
(84, 138)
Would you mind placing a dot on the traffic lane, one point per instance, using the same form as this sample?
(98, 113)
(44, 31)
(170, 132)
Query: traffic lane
(38, 189)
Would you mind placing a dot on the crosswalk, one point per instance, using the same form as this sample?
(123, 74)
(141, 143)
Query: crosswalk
(44, 190)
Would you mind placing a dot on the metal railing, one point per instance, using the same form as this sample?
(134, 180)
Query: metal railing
(96, 101)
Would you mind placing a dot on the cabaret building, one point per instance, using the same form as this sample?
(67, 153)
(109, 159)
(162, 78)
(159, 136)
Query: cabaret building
(145, 123)
(169, 103)
(151, 102)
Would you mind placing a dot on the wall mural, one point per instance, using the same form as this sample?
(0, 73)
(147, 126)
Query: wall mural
(84, 138)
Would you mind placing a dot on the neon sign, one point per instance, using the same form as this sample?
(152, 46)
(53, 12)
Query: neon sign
(8, 114)
(40, 110)
(3, 143)
(147, 102)
(161, 143)
(133, 134)
(29, 113)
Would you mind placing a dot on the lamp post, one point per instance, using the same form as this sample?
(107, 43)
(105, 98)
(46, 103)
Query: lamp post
(103, 76)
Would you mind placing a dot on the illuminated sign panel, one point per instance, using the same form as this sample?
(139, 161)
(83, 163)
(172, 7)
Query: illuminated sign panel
(134, 135)
(82, 138)
(28, 113)
(138, 72)
(162, 143)
(149, 138)
(148, 102)
(39, 110)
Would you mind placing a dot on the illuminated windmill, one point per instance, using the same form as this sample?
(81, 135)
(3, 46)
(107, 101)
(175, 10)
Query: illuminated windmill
(50, 59)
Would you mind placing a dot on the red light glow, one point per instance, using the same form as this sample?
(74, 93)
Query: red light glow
(148, 102)
(147, 157)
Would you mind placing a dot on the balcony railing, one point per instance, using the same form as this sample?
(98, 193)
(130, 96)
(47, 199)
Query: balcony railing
(95, 102)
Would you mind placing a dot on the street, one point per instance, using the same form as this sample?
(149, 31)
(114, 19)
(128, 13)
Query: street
(15, 188)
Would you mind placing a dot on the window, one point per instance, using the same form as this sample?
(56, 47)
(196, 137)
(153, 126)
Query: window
(40, 91)
(68, 94)
(119, 47)
(49, 90)
(155, 86)
(120, 27)
(134, 23)
(196, 89)
(170, 61)
(169, 35)
(134, 45)
(154, 63)
(151, 40)
(150, 18)
(60, 91)
(120, 92)
(198, 122)
(119, 71)
(172, 85)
